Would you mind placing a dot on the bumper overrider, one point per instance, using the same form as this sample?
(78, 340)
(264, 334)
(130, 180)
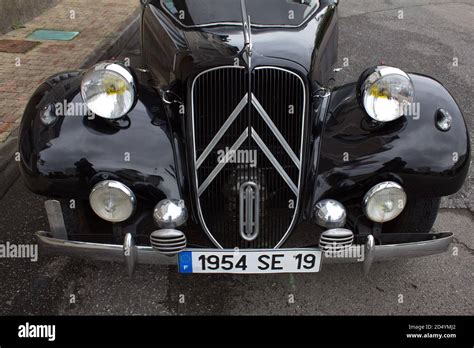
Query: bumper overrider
(56, 243)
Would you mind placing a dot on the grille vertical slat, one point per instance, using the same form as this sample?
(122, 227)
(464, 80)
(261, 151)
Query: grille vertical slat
(215, 95)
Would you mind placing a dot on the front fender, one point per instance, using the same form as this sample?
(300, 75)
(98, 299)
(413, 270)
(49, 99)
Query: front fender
(355, 154)
(66, 159)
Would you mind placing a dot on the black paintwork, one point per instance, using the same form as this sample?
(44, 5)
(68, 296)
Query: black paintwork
(174, 53)
(68, 158)
(411, 150)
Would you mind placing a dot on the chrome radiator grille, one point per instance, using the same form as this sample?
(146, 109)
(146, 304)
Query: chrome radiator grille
(260, 120)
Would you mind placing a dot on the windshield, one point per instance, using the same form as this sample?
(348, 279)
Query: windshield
(195, 13)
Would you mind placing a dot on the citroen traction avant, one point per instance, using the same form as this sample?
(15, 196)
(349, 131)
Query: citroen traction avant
(232, 150)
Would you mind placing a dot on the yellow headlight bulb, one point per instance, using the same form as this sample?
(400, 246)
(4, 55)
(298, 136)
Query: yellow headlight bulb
(378, 91)
(383, 90)
(114, 86)
(109, 90)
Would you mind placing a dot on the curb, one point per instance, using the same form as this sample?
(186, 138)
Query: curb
(9, 170)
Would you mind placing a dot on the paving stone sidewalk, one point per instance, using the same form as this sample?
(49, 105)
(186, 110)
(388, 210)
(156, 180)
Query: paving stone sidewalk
(99, 24)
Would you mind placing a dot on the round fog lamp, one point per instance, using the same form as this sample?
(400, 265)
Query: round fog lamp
(384, 202)
(112, 201)
(170, 213)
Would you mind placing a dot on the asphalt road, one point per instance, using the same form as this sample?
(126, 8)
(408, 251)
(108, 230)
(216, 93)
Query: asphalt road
(426, 40)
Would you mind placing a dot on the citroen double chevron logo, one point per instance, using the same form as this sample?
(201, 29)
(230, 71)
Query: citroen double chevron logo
(249, 131)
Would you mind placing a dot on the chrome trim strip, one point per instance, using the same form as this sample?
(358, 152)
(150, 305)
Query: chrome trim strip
(321, 116)
(247, 29)
(275, 131)
(311, 16)
(333, 240)
(274, 161)
(168, 241)
(224, 161)
(223, 130)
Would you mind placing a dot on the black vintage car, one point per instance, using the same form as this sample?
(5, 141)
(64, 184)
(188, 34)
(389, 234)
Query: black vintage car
(231, 151)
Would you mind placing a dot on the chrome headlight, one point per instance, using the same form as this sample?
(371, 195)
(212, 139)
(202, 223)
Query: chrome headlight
(112, 201)
(384, 202)
(386, 93)
(109, 90)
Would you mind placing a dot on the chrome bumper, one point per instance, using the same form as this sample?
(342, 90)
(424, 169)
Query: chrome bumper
(56, 243)
(132, 254)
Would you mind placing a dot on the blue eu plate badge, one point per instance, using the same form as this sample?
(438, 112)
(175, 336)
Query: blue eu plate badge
(186, 262)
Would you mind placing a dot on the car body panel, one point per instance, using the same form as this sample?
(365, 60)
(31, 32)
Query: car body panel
(355, 153)
(69, 157)
(175, 54)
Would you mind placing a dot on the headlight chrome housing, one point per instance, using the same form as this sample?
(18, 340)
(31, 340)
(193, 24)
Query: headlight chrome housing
(170, 213)
(109, 90)
(384, 202)
(112, 201)
(330, 213)
(386, 93)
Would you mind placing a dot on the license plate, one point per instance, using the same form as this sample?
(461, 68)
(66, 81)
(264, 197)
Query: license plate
(250, 261)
